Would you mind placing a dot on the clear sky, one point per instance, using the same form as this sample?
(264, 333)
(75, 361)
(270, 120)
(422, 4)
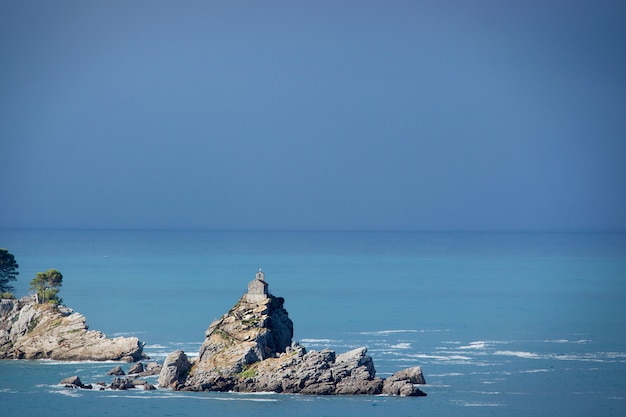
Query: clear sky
(351, 115)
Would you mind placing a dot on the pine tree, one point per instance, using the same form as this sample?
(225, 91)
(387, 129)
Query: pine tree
(8, 273)
(47, 284)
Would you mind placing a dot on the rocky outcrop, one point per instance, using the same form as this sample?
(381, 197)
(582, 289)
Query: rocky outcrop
(250, 332)
(122, 384)
(403, 382)
(72, 382)
(34, 331)
(250, 349)
(175, 369)
(137, 368)
(117, 371)
(319, 373)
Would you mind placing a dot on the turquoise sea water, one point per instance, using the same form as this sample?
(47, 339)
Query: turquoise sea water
(501, 323)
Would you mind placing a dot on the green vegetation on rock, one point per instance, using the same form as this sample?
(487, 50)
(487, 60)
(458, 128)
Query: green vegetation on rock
(47, 284)
(8, 273)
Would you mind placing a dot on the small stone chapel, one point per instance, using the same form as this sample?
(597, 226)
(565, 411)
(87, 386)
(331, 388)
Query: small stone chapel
(257, 288)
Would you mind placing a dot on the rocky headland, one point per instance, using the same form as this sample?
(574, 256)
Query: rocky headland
(29, 330)
(250, 349)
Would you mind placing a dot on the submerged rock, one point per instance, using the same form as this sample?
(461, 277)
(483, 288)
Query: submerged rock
(122, 384)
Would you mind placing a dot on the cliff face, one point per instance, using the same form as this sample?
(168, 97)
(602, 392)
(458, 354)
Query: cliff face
(33, 331)
(248, 333)
(250, 349)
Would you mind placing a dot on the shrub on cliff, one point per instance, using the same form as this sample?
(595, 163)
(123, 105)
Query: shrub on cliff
(8, 273)
(47, 284)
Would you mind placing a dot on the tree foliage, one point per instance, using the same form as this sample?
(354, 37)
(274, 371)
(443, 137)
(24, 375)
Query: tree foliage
(47, 284)
(8, 271)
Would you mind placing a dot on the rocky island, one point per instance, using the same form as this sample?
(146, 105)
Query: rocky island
(30, 330)
(250, 349)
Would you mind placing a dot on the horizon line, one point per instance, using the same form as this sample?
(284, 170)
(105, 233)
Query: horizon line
(304, 230)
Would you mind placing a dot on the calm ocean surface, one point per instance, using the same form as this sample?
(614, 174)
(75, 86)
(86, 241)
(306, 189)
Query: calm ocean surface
(502, 324)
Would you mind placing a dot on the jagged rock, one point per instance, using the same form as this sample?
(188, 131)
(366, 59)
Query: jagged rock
(175, 369)
(250, 349)
(36, 331)
(151, 368)
(355, 374)
(319, 373)
(118, 371)
(248, 333)
(122, 384)
(402, 383)
(149, 387)
(72, 381)
(136, 368)
(413, 375)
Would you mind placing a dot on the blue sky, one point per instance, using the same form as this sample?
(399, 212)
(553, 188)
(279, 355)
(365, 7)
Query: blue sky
(351, 115)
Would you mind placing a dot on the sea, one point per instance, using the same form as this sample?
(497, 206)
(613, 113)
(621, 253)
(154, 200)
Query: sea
(502, 324)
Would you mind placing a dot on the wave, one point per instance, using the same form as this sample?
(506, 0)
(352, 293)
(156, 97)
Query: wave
(54, 362)
(319, 341)
(486, 392)
(475, 345)
(388, 332)
(563, 341)
(479, 404)
(67, 392)
(440, 357)
(446, 374)
(533, 371)
(265, 396)
(148, 395)
(602, 357)
(401, 346)
(126, 334)
(156, 346)
(526, 355)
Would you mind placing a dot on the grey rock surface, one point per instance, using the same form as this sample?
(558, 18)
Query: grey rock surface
(174, 370)
(250, 349)
(29, 330)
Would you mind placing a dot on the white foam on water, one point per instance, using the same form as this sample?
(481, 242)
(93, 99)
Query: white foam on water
(126, 334)
(56, 362)
(575, 357)
(614, 355)
(449, 359)
(468, 404)
(519, 354)
(401, 346)
(388, 332)
(533, 371)
(245, 398)
(475, 345)
(564, 341)
(486, 392)
(67, 392)
(156, 346)
(318, 341)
